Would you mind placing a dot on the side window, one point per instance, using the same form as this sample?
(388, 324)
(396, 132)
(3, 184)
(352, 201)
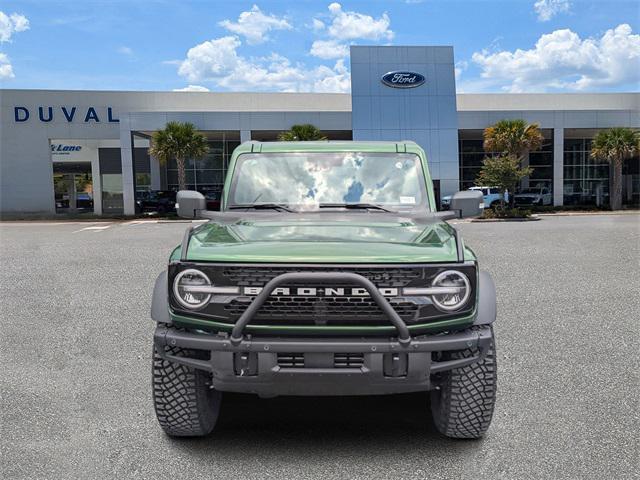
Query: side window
(485, 191)
(545, 191)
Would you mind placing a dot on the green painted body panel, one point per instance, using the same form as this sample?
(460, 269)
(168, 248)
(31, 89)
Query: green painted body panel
(362, 240)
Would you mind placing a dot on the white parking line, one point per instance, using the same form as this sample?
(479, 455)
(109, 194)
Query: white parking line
(94, 228)
(139, 222)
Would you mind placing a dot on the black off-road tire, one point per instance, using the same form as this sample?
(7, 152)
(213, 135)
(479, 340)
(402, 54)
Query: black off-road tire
(463, 405)
(186, 405)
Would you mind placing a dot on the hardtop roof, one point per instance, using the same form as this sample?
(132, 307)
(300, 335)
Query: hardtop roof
(404, 146)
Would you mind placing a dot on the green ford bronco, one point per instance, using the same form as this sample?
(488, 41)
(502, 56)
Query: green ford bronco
(328, 271)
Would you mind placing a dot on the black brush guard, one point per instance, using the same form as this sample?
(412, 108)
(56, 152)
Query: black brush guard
(404, 338)
(239, 343)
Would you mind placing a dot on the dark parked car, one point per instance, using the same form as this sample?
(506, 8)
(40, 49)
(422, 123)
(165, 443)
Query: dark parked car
(84, 200)
(160, 201)
(213, 199)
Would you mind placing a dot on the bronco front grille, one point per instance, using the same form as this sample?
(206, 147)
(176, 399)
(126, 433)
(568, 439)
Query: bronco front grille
(382, 277)
(319, 310)
(322, 310)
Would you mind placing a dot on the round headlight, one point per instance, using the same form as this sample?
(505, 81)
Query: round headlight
(451, 301)
(186, 291)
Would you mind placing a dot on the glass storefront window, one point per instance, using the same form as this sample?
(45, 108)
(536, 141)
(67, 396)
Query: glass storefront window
(542, 163)
(586, 181)
(112, 200)
(207, 173)
(143, 182)
(73, 187)
(472, 154)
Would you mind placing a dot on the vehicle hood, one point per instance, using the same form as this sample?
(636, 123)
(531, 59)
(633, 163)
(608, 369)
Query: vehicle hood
(348, 238)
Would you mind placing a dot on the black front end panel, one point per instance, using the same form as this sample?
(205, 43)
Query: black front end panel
(322, 304)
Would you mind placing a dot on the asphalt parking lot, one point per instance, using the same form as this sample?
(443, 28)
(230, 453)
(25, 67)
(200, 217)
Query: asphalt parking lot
(75, 381)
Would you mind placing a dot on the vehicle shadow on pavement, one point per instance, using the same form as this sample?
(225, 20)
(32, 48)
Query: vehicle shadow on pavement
(367, 425)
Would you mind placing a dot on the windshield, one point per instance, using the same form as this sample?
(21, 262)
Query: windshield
(310, 180)
(535, 191)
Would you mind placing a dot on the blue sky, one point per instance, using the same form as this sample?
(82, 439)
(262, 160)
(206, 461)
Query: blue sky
(500, 46)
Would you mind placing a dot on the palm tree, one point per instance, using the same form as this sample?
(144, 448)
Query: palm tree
(615, 146)
(513, 139)
(180, 141)
(299, 133)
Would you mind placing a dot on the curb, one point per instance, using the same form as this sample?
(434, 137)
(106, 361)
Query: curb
(577, 214)
(496, 220)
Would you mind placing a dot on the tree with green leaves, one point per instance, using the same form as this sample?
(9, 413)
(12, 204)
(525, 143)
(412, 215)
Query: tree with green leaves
(299, 133)
(504, 172)
(180, 141)
(614, 146)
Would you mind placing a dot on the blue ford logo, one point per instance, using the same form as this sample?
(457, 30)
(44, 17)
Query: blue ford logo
(403, 79)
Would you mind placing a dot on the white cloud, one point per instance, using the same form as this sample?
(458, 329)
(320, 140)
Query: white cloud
(354, 25)
(347, 26)
(547, 9)
(192, 88)
(561, 60)
(327, 80)
(254, 25)
(10, 24)
(218, 61)
(328, 49)
(125, 51)
(211, 59)
(6, 70)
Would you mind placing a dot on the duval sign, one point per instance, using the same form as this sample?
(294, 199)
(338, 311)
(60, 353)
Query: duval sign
(401, 79)
(67, 113)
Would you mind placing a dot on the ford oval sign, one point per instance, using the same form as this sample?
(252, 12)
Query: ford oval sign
(403, 79)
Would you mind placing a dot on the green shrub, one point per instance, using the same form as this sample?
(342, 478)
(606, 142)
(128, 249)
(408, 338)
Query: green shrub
(507, 213)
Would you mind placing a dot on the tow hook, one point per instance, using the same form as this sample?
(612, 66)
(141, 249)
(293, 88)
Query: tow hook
(245, 364)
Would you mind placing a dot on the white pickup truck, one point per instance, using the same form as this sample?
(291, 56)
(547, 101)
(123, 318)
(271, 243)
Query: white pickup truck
(491, 196)
(533, 196)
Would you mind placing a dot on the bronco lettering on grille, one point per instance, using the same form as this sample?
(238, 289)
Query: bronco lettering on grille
(320, 292)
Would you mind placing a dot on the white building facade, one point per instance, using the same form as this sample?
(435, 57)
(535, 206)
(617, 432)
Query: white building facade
(67, 151)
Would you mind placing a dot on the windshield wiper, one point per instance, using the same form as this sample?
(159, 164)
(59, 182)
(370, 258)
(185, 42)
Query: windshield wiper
(355, 206)
(262, 206)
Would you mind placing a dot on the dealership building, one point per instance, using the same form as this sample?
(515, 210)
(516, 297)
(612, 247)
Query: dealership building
(67, 151)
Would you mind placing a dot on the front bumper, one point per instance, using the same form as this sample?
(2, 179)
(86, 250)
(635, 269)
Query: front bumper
(252, 365)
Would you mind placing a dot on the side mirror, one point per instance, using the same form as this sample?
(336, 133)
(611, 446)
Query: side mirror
(468, 203)
(189, 204)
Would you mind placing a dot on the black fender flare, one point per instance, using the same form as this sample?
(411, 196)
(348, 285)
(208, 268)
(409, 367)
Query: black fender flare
(160, 300)
(487, 308)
